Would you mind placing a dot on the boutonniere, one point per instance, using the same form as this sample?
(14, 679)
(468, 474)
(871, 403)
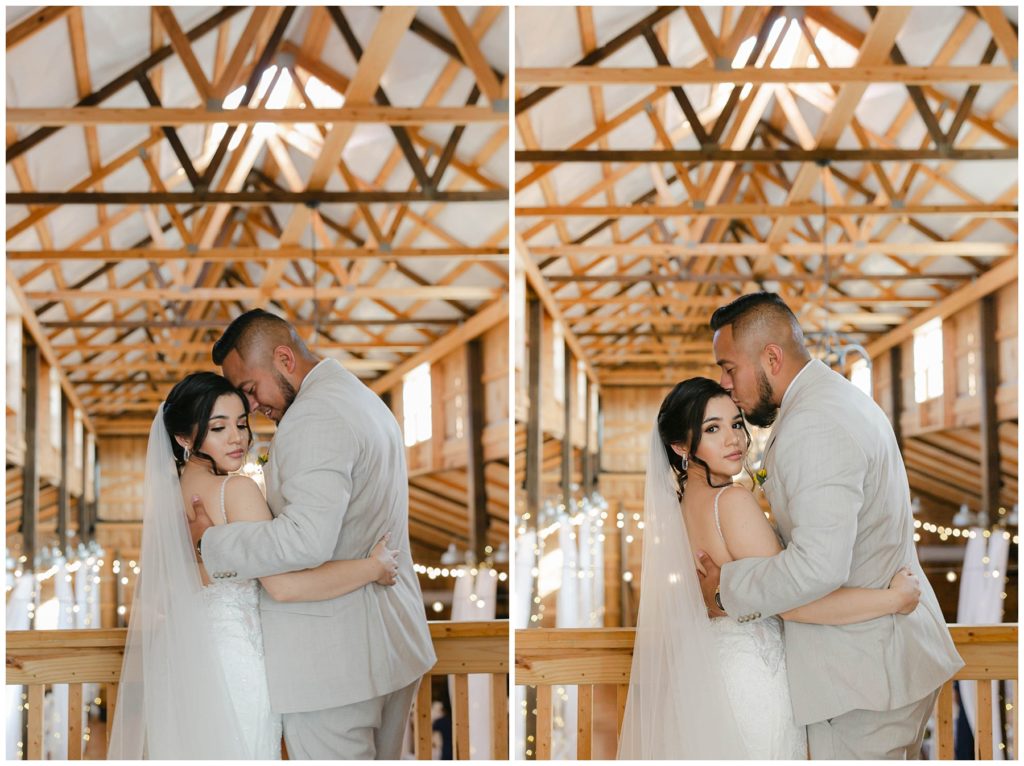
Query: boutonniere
(262, 458)
(761, 476)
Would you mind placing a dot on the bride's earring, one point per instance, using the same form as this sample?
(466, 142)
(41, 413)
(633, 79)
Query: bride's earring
(683, 462)
(187, 454)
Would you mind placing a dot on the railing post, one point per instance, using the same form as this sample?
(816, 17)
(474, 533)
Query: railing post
(944, 721)
(34, 743)
(460, 718)
(423, 731)
(75, 722)
(983, 735)
(499, 716)
(543, 726)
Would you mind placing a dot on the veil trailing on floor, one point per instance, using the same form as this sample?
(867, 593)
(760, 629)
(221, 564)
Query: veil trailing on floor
(677, 705)
(173, 698)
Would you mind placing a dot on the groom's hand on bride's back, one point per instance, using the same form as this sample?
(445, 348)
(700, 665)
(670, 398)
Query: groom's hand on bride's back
(198, 521)
(709, 573)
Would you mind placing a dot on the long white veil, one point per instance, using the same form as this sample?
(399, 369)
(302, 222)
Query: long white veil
(173, 700)
(677, 705)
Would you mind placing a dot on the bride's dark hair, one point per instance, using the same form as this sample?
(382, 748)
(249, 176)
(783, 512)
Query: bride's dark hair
(187, 412)
(681, 419)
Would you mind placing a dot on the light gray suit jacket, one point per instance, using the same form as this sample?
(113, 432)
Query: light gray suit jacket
(336, 482)
(838, 489)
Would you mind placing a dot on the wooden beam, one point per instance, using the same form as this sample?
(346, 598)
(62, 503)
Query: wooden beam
(199, 324)
(265, 197)
(666, 76)
(567, 413)
(762, 277)
(996, 277)
(30, 470)
(63, 490)
(751, 210)
(536, 281)
(84, 526)
(896, 389)
(246, 115)
(471, 328)
(201, 294)
(476, 489)
(35, 22)
(183, 48)
(94, 178)
(597, 55)
(469, 49)
(289, 253)
(769, 156)
(754, 249)
(40, 338)
(18, 148)
(380, 97)
(1003, 33)
(391, 27)
(988, 420)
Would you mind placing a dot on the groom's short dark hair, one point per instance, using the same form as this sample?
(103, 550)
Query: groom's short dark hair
(756, 310)
(244, 330)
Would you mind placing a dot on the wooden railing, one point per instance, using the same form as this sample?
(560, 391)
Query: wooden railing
(591, 658)
(38, 658)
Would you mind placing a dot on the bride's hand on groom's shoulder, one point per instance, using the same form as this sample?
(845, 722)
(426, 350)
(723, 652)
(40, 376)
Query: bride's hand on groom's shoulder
(907, 589)
(387, 561)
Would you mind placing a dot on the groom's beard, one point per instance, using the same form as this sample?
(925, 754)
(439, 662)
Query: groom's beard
(763, 415)
(287, 391)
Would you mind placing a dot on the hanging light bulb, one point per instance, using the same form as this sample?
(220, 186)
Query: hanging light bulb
(963, 517)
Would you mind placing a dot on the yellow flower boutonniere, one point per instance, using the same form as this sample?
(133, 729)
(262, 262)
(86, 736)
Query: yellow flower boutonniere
(263, 458)
(761, 476)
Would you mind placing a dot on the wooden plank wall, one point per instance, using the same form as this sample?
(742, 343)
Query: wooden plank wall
(628, 415)
(447, 447)
(958, 406)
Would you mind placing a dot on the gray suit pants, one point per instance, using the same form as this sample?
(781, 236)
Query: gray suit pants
(872, 734)
(369, 730)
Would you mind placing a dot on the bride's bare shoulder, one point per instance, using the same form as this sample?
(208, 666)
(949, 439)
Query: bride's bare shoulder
(243, 499)
(738, 500)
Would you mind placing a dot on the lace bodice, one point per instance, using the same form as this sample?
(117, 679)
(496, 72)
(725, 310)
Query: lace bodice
(238, 634)
(753, 657)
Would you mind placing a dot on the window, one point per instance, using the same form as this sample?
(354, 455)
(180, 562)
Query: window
(928, 361)
(860, 376)
(558, 374)
(972, 367)
(416, 413)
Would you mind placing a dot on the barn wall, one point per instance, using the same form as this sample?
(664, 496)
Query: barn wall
(448, 446)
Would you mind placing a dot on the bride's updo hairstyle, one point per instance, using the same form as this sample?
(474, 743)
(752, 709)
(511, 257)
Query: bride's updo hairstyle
(681, 420)
(187, 413)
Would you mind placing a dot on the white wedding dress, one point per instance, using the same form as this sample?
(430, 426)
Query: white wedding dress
(699, 688)
(234, 609)
(753, 661)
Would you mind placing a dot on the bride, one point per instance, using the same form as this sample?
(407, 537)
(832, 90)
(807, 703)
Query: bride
(193, 683)
(703, 686)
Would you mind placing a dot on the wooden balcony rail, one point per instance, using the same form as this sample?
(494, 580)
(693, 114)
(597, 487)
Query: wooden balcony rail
(37, 658)
(588, 658)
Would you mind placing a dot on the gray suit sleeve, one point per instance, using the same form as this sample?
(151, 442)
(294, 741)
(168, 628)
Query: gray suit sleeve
(822, 472)
(315, 457)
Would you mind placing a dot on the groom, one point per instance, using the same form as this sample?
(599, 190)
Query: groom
(343, 672)
(838, 489)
